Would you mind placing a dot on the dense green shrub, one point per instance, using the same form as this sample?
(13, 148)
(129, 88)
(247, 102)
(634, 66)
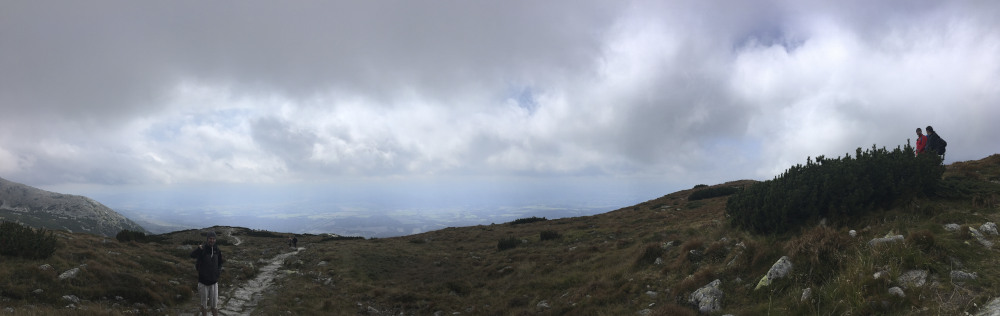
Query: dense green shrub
(709, 193)
(330, 238)
(17, 240)
(549, 235)
(508, 243)
(836, 188)
(528, 220)
(698, 186)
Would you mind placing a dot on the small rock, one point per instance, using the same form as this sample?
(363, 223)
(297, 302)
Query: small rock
(989, 228)
(881, 274)
(38, 291)
(543, 304)
(45, 267)
(885, 240)
(806, 294)
(651, 293)
(895, 290)
(952, 227)
(659, 261)
(853, 233)
(912, 278)
(321, 263)
(645, 312)
(69, 274)
(957, 275)
(71, 298)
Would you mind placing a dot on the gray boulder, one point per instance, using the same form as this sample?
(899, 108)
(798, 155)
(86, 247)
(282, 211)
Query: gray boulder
(708, 298)
(990, 309)
(952, 227)
(895, 290)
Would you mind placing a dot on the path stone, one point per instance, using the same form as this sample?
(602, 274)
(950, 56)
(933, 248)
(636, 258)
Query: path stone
(245, 297)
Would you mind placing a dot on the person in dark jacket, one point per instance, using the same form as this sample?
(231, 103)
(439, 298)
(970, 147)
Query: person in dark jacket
(934, 142)
(209, 266)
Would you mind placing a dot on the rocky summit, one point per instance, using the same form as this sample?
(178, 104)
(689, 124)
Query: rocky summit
(43, 209)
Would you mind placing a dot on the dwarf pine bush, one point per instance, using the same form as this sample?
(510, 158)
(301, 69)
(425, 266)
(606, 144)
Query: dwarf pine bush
(17, 240)
(528, 220)
(709, 193)
(508, 243)
(837, 188)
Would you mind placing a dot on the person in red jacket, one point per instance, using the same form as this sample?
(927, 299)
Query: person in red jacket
(921, 141)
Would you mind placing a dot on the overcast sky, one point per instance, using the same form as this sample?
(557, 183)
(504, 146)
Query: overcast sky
(673, 93)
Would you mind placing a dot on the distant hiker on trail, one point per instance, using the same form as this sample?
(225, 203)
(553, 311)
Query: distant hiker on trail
(934, 142)
(295, 242)
(290, 241)
(921, 141)
(209, 266)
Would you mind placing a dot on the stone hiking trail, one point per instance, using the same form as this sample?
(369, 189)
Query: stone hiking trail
(241, 299)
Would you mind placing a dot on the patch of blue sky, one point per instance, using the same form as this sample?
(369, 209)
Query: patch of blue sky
(523, 96)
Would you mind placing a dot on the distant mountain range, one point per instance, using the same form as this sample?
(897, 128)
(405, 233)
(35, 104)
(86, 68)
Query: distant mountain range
(43, 209)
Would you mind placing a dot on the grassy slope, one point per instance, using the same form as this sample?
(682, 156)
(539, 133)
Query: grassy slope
(601, 265)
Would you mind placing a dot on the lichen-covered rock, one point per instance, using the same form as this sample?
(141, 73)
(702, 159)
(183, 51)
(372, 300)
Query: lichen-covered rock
(991, 309)
(780, 269)
(708, 298)
(980, 237)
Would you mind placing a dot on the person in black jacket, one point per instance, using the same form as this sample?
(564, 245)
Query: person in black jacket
(935, 143)
(209, 266)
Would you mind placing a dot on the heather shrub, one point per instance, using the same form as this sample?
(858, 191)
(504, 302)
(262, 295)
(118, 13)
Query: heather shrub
(17, 240)
(507, 243)
(838, 188)
(549, 235)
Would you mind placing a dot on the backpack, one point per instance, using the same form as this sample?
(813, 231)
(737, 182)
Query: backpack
(941, 144)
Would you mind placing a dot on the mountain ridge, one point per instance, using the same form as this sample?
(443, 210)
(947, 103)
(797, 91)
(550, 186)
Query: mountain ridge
(57, 211)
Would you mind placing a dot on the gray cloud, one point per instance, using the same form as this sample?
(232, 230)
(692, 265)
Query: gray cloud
(692, 91)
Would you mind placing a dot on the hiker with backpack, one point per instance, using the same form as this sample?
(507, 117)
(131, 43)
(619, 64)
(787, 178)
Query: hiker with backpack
(935, 143)
(921, 141)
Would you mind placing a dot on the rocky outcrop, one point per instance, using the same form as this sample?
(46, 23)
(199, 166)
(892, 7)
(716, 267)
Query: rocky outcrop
(43, 209)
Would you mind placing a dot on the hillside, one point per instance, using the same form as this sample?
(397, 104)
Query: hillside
(39, 208)
(929, 256)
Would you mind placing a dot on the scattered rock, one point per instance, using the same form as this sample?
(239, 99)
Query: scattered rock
(885, 240)
(651, 293)
(321, 263)
(989, 228)
(667, 245)
(645, 312)
(708, 298)
(912, 278)
(45, 267)
(71, 298)
(659, 261)
(69, 274)
(957, 275)
(895, 290)
(38, 291)
(543, 304)
(806, 294)
(881, 274)
(952, 227)
(853, 233)
(779, 270)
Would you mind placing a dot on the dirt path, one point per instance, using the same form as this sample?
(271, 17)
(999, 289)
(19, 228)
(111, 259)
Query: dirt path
(243, 299)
